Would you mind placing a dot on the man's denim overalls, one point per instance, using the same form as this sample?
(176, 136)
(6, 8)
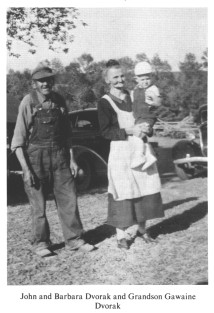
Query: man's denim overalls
(49, 160)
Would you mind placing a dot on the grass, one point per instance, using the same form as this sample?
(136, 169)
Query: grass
(179, 258)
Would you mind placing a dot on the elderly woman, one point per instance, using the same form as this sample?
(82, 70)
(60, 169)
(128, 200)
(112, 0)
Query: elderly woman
(133, 195)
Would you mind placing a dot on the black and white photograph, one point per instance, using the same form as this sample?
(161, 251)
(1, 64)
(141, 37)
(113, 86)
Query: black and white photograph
(107, 155)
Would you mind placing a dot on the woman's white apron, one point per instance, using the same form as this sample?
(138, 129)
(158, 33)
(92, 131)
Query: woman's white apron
(124, 182)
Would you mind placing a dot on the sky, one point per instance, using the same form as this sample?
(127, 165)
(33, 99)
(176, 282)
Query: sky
(116, 32)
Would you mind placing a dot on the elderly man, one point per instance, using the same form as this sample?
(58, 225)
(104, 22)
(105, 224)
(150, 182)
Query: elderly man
(41, 141)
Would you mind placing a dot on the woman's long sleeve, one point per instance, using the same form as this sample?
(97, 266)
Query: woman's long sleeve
(108, 122)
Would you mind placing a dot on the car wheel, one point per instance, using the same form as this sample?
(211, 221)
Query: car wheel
(83, 181)
(184, 173)
(182, 149)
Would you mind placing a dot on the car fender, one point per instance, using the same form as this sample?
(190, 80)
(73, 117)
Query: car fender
(82, 150)
(185, 148)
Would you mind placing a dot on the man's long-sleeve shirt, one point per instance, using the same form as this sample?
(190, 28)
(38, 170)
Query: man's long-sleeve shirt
(27, 111)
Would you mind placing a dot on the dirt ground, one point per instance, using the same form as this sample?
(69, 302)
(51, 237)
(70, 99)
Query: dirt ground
(180, 257)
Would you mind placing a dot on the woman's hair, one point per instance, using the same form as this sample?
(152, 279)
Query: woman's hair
(110, 64)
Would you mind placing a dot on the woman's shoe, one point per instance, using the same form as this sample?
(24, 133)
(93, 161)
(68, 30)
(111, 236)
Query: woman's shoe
(122, 244)
(146, 237)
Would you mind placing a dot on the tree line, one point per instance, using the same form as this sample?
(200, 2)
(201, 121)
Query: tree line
(82, 84)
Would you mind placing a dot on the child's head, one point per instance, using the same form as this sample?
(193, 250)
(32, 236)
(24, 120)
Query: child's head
(143, 74)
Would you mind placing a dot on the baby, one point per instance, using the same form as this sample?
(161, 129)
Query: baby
(146, 98)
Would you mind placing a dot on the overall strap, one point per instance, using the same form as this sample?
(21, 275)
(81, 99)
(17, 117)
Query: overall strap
(109, 99)
(132, 95)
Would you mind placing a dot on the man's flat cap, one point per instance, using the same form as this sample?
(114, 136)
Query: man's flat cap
(42, 72)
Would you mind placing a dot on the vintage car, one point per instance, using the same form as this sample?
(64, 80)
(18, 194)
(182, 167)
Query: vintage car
(13, 165)
(190, 156)
(90, 148)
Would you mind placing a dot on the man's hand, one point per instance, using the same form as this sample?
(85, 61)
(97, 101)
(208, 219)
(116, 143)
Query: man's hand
(74, 168)
(29, 178)
(73, 165)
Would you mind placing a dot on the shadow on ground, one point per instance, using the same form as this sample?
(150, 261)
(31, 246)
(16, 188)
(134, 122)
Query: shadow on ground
(171, 225)
(202, 283)
(179, 222)
(99, 234)
(93, 236)
(57, 246)
(172, 204)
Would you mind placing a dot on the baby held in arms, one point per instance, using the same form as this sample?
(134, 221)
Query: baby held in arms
(146, 98)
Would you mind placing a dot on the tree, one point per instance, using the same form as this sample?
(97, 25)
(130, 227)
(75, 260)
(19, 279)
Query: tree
(69, 81)
(54, 24)
(57, 66)
(45, 62)
(141, 57)
(164, 78)
(190, 66)
(74, 86)
(159, 65)
(191, 91)
(94, 76)
(85, 60)
(205, 59)
(18, 84)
